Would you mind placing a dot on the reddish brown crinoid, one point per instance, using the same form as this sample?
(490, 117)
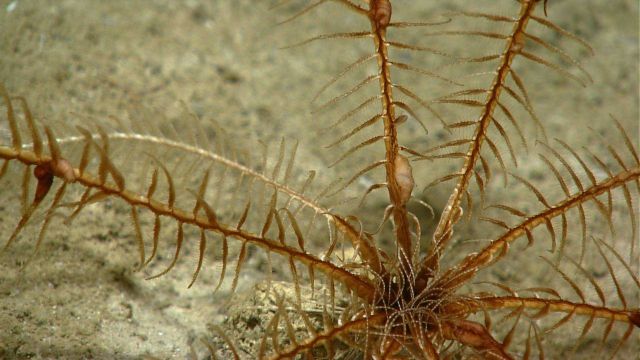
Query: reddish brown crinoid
(516, 261)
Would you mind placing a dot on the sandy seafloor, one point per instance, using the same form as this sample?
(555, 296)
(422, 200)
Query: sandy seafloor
(91, 59)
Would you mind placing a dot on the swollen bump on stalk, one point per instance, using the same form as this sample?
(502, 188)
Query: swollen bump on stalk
(57, 166)
(380, 12)
(404, 178)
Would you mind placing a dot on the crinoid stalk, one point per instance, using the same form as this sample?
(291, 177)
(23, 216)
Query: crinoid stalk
(447, 180)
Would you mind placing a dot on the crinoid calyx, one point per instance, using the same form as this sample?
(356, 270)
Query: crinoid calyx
(463, 184)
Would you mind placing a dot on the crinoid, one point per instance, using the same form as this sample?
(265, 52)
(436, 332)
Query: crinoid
(471, 204)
